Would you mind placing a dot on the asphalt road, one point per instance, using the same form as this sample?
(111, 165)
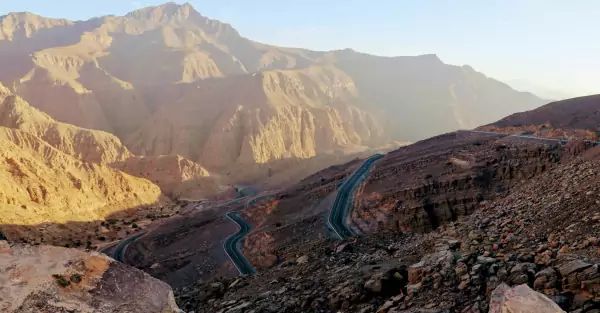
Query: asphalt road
(232, 245)
(119, 251)
(343, 201)
(561, 141)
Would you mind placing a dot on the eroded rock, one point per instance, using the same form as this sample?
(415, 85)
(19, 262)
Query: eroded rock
(47, 279)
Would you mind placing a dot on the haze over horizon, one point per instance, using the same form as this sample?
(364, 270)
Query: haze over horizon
(538, 46)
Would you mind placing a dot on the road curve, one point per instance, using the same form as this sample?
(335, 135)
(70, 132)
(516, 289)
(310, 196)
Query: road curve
(560, 141)
(232, 245)
(120, 249)
(343, 201)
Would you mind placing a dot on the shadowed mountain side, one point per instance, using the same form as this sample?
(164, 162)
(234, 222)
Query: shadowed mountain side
(186, 248)
(90, 234)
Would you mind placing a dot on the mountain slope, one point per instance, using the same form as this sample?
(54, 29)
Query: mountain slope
(167, 80)
(576, 118)
(42, 184)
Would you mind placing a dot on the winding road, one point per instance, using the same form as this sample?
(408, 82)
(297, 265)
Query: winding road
(232, 244)
(561, 141)
(343, 201)
(120, 249)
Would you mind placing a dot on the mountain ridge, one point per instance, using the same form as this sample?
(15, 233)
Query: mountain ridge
(106, 79)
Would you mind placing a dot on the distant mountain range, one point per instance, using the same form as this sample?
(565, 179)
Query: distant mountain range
(204, 101)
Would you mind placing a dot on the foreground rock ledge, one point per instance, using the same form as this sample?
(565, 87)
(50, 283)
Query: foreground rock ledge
(47, 279)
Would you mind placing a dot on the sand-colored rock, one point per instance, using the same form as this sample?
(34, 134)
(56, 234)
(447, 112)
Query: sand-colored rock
(84, 144)
(170, 173)
(521, 299)
(53, 172)
(47, 279)
(39, 183)
(177, 176)
(167, 80)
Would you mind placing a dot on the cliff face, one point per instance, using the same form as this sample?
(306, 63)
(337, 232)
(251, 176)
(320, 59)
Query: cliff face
(54, 172)
(42, 184)
(167, 80)
(420, 187)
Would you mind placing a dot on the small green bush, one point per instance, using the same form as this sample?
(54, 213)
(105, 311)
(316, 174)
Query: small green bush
(61, 280)
(76, 278)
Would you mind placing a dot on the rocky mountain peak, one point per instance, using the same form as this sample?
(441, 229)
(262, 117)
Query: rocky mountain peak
(25, 24)
(166, 12)
(174, 14)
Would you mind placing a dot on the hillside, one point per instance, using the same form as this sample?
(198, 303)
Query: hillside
(59, 182)
(577, 117)
(225, 101)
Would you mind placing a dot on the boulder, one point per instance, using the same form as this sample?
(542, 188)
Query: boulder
(520, 299)
(47, 279)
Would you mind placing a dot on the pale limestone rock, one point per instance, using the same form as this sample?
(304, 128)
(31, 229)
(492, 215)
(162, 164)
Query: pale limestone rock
(521, 299)
(47, 279)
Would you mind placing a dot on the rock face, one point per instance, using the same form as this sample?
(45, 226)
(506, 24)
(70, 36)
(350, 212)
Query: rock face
(176, 176)
(521, 299)
(52, 172)
(48, 279)
(219, 99)
(419, 187)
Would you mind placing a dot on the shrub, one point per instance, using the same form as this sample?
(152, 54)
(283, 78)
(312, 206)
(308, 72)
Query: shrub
(61, 280)
(76, 278)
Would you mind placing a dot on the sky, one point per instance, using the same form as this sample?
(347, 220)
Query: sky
(550, 47)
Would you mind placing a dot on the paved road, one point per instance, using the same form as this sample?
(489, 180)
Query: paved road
(119, 251)
(561, 141)
(343, 201)
(232, 245)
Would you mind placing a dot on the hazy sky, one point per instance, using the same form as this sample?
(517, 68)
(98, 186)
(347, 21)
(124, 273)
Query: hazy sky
(543, 44)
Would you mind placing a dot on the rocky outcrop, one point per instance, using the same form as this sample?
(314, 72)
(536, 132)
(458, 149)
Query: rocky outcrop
(423, 186)
(41, 184)
(54, 172)
(177, 177)
(90, 146)
(47, 279)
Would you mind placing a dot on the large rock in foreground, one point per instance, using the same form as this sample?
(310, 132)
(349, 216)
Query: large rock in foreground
(521, 299)
(48, 279)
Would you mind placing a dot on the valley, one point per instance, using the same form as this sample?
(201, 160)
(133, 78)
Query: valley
(160, 161)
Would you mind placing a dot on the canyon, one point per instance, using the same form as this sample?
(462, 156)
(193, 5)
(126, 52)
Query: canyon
(127, 142)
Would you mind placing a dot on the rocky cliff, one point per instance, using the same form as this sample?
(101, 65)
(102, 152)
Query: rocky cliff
(419, 187)
(54, 172)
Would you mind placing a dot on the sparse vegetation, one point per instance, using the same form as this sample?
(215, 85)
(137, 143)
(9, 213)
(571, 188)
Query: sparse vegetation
(76, 278)
(61, 280)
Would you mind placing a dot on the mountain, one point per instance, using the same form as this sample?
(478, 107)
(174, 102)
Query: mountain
(53, 172)
(571, 118)
(540, 90)
(167, 80)
(442, 225)
(57, 173)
